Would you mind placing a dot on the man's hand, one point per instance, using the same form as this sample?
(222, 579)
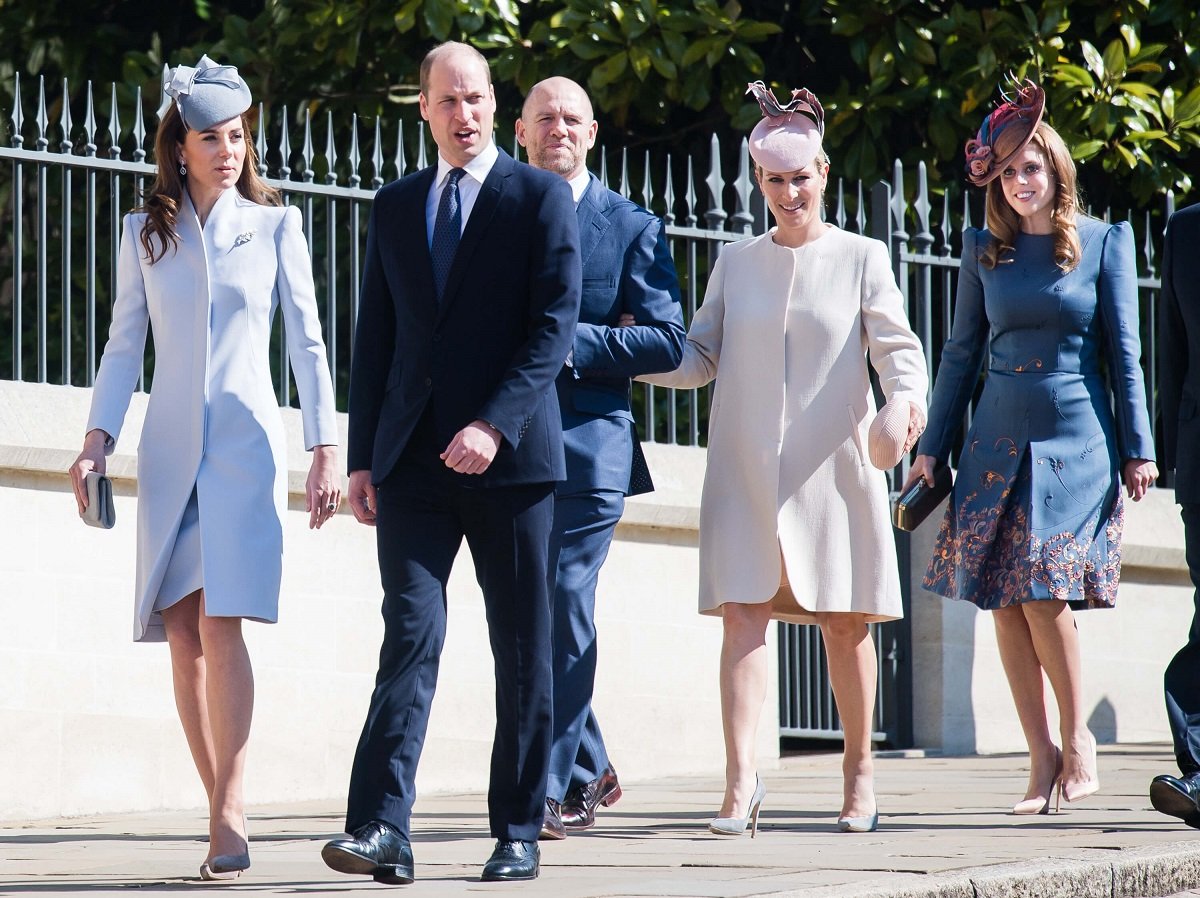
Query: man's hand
(473, 448)
(361, 497)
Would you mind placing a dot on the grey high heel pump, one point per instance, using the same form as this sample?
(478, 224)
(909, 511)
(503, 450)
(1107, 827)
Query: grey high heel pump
(735, 826)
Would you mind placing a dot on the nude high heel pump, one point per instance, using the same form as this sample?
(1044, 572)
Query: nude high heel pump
(1039, 805)
(735, 826)
(1072, 792)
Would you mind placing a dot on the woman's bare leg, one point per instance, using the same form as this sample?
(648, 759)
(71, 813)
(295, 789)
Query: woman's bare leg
(1024, 672)
(1056, 641)
(182, 624)
(853, 670)
(230, 694)
(743, 690)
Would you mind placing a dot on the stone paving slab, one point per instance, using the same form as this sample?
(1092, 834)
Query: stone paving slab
(944, 833)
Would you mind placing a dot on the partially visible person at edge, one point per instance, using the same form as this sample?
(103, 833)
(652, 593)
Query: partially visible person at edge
(469, 301)
(1179, 392)
(794, 521)
(630, 323)
(203, 262)
(1033, 527)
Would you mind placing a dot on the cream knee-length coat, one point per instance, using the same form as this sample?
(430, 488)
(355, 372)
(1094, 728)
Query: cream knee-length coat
(213, 421)
(785, 332)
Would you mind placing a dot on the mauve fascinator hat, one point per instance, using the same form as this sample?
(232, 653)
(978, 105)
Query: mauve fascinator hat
(207, 94)
(789, 136)
(1005, 133)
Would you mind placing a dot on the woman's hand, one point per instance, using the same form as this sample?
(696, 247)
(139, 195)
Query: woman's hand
(1138, 474)
(90, 458)
(922, 466)
(323, 491)
(626, 320)
(916, 427)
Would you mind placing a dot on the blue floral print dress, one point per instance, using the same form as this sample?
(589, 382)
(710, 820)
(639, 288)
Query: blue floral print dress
(1036, 511)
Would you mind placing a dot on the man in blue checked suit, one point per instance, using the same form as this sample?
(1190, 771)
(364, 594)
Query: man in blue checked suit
(630, 323)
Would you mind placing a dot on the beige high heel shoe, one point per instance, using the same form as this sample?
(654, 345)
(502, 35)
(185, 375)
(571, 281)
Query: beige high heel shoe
(1041, 805)
(1072, 792)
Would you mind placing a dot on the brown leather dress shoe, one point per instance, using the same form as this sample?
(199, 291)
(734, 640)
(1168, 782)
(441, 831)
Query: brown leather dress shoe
(579, 807)
(552, 825)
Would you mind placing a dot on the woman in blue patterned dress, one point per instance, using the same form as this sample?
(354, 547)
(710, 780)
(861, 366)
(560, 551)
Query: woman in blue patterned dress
(1033, 528)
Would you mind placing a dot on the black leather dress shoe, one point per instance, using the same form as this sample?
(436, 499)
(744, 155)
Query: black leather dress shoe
(552, 825)
(579, 807)
(376, 850)
(1178, 797)
(512, 861)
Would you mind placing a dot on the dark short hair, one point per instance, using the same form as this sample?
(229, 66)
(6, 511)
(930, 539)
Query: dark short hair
(443, 49)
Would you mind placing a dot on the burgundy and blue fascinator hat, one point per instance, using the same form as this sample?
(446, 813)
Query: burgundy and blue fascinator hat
(1005, 132)
(789, 136)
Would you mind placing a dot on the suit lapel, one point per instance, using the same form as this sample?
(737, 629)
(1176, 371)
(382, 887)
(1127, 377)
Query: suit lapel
(593, 220)
(412, 243)
(490, 193)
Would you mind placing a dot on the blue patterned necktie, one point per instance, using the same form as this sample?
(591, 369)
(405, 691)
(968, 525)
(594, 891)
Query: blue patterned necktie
(447, 229)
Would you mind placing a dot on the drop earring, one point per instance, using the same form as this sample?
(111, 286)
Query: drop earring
(183, 169)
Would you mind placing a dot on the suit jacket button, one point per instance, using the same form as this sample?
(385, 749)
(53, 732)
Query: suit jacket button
(429, 381)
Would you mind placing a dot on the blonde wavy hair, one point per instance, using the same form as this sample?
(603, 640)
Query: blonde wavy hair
(161, 203)
(1004, 223)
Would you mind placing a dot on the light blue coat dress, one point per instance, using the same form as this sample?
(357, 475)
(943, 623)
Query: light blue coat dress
(213, 424)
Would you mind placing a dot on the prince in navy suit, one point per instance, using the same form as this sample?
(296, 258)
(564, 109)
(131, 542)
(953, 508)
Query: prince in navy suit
(469, 301)
(630, 323)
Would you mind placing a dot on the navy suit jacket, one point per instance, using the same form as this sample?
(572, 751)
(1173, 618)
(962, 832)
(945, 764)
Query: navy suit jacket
(627, 267)
(491, 348)
(1179, 352)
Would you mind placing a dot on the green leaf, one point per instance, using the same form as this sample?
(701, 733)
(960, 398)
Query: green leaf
(1094, 60)
(1114, 59)
(608, 72)
(1188, 108)
(1087, 149)
(754, 31)
(640, 60)
(1131, 38)
(1168, 102)
(1128, 156)
(439, 18)
(1074, 75)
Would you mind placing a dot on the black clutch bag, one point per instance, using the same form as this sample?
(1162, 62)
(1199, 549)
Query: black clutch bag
(915, 503)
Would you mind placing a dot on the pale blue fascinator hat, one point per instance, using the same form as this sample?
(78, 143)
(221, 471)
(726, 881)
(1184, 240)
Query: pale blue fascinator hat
(206, 94)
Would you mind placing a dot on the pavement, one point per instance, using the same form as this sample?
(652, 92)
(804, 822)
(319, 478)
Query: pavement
(944, 833)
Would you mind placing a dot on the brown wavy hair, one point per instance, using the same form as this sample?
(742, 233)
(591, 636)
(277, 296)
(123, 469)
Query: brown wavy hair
(161, 204)
(1004, 222)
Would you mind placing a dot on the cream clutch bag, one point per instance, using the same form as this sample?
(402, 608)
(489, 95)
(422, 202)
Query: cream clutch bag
(100, 511)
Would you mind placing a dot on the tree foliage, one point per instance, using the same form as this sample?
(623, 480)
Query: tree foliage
(907, 79)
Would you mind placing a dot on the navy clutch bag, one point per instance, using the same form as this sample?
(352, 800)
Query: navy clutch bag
(915, 503)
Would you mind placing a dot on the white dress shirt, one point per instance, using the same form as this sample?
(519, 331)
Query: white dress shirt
(469, 186)
(579, 185)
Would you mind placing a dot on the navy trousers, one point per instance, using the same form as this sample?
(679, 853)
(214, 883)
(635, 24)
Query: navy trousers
(1182, 680)
(424, 512)
(583, 531)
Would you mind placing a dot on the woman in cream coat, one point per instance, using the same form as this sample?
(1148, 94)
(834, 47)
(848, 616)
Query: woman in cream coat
(794, 520)
(204, 263)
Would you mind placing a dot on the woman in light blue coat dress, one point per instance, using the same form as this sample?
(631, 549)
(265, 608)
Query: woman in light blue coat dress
(1033, 528)
(205, 263)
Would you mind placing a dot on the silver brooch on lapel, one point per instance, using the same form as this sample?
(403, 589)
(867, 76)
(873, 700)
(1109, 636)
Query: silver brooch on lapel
(244, 237)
